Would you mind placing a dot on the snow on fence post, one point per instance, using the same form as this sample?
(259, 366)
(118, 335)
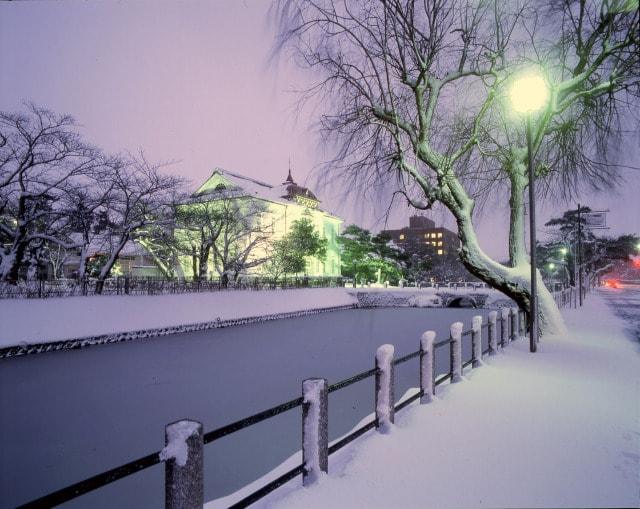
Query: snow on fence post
(522, 323)
(493, 336)
(384, 388)
(456, 352)
(476, 341)
(514, 324)
(504, 326)
(427, 354)
(183, 484)
(315, 429)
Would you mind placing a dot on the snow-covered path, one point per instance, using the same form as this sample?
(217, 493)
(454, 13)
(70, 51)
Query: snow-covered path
(560, 428)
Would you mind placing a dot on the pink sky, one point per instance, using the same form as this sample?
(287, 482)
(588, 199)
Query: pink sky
(191, 82)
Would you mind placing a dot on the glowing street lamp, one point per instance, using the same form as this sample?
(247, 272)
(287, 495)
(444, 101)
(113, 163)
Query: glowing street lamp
(528, 94)
(551, 266)
(563, 251)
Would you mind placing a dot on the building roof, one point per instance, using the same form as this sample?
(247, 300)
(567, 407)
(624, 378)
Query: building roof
(222, 181)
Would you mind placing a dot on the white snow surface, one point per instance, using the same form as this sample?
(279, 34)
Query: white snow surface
(425, 301)
(29, 321)
(456, 330)
(558, 428)
(178, 433)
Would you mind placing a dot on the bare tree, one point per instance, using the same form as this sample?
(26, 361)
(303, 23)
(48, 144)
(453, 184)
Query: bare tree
(244, 235)
(412, 87)
(222, 231)
(140, 197)
(86, 209)
(41, 157)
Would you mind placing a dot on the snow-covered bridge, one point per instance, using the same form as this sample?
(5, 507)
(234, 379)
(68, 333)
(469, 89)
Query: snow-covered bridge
(430, 297)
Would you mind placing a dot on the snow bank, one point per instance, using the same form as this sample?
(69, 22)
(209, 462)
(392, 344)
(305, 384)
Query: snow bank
(558, 428)
(30, 321)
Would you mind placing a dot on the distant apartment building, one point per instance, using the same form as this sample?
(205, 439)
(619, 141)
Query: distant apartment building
(422, 230)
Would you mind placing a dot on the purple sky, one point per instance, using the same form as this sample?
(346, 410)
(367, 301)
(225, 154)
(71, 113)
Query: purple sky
(191, 82)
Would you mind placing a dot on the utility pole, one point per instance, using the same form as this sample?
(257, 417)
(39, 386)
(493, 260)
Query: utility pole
(580, 254)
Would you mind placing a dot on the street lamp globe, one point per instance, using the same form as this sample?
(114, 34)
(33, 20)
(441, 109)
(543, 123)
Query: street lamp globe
(529, 93)
(563, 251)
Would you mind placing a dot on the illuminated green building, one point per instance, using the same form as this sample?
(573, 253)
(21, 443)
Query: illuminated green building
(281, 205)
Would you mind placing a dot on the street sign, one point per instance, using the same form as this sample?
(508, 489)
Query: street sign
(595, 219)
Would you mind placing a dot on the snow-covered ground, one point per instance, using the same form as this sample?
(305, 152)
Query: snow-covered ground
(559, 428)
(28, 321)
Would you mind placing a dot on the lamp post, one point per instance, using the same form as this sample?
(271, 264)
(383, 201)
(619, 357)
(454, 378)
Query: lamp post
(528, 94)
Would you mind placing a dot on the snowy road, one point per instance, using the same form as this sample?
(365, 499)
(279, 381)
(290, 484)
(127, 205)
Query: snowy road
(625, 303)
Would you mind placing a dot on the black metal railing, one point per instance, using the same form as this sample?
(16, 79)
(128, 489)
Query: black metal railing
(105, 478)
(125, 285)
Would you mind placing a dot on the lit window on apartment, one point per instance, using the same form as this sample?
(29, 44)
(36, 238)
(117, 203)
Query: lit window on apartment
(440, 243)
(433, 243)
(426, 235)
(440, 251)
(439, 235)
(402, 236)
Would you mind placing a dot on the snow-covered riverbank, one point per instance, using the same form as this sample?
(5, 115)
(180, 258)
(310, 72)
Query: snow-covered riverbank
(556, 429)
(41, 321)
(30, 321)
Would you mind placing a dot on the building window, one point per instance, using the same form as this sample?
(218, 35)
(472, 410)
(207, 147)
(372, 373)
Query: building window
(440, 251)
(402, 236)
(440, 243)
(439, 235)
(426, 235)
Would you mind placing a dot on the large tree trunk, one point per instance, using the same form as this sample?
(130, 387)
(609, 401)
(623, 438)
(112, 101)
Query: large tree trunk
(517, 252)
(205, 249)
(10, 266)
(514, 282)
(106, 268)
(194, 262)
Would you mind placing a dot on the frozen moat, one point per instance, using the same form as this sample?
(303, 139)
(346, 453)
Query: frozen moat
(69, 415)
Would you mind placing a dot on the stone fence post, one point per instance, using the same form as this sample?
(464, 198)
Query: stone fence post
(427, 356)
(476, 341)
(493, 336)
(384, 388)
(514, 324)
(456, 352)
(315, 429)
(504, 326)
(183, 473)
